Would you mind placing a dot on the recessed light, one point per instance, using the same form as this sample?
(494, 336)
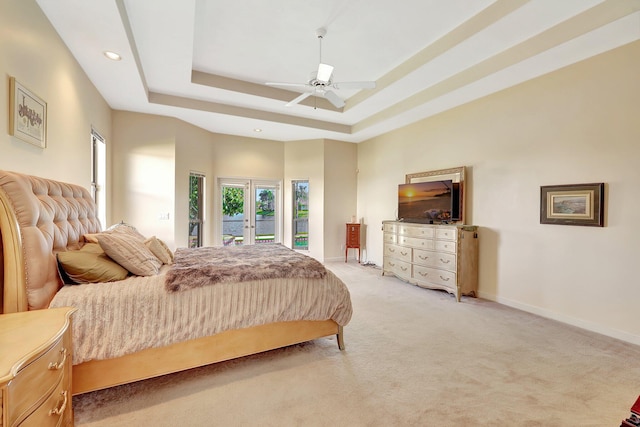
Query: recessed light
(257, 130)
(112, 55)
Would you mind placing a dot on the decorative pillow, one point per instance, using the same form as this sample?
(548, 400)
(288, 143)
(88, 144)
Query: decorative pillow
(89, 265)
(159, 249)
(120, 228)
(131, 253)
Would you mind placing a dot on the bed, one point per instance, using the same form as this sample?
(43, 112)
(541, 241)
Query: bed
(138, 327)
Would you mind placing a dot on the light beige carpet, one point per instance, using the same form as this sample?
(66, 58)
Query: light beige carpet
(414, 357)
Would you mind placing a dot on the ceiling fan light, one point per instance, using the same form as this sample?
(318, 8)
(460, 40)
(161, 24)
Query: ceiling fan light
(324, 72)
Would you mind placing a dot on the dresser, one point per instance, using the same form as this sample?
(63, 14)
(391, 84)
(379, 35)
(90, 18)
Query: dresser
(353, 239)
(433, 256)
(35, 368)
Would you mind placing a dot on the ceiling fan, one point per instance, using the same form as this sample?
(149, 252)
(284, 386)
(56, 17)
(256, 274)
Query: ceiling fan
(320, 82)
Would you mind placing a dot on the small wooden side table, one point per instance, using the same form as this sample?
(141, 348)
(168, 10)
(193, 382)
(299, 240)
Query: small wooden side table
(353, 239)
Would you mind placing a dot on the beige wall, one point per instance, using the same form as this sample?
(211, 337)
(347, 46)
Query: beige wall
(143, 173)
(31, 51)
(577, 125)
(340, 196)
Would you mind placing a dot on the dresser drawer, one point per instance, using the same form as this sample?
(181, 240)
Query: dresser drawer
(446, 246)
(399, 268)
(36, 380)
(397, 252)
(412, 231)
(435, 259)
(55, 411)
(447, 233)
(390, 228)
(416, 242)
(434, 276)
(389, 238)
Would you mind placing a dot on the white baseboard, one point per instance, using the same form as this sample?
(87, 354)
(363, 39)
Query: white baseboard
(583, 324)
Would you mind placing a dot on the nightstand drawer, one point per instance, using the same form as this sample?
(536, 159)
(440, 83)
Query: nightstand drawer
(36, 380)
(53, 411)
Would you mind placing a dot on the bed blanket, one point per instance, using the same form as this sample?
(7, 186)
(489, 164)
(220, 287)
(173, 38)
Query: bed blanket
(196, 267)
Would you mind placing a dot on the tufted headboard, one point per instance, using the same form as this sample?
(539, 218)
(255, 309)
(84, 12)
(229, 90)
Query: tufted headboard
(38, 217)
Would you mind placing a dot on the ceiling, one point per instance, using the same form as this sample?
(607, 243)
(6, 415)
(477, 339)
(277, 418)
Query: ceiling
(207, 61)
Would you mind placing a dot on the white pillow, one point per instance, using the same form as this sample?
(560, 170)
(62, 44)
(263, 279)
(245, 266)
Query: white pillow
(131, 253)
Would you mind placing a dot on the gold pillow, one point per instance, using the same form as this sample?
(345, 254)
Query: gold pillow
(131, 253)
(90, 265)
(159, 249)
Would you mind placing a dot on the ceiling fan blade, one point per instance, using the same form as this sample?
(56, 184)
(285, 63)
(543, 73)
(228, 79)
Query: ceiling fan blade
(298, 99)
(300, 85)
(354, 85)
(334, 99)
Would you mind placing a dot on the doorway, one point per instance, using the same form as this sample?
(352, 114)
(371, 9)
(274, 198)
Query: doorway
(250, 211)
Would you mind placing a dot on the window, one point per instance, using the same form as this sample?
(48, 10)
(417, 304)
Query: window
(99, 174)
(196, 210)
(300, 225)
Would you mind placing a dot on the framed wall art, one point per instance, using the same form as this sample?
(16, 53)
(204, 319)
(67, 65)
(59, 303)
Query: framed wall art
(27, 115)
(576, 204)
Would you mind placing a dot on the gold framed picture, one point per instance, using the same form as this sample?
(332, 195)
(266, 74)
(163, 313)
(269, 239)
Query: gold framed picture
(27, 115)
(576, 204)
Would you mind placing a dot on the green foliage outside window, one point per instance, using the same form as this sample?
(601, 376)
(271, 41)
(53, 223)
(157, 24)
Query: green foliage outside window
(232, 200)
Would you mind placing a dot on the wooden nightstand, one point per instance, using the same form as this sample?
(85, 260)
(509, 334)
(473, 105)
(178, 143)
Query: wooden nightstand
(353, 239)
(35, 368)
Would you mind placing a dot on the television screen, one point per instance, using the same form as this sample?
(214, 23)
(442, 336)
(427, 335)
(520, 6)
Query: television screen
(428, 202)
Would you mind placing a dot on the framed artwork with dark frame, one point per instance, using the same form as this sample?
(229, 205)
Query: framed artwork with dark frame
(575, 204)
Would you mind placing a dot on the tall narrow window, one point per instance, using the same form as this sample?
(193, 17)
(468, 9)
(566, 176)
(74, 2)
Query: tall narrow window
(99, 174)
(196, 211)
(300, 224)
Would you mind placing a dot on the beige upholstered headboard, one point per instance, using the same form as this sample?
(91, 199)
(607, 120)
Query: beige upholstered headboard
(38, 217)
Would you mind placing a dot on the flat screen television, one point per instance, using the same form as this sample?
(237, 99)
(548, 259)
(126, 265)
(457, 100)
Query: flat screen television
(429, 202)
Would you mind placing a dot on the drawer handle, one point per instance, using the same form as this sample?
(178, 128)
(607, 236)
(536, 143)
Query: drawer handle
(424, 258)
(403, 253)
(391, 264)
(423, 274)
(391, 250)
(61, 408)
(446, 279)
(445, 261)
(403, 268)
(59, 365)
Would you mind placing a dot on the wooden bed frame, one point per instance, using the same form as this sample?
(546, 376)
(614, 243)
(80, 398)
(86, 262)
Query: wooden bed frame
(99, 374)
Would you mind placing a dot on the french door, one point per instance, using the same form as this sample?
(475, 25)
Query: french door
(250, 211)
